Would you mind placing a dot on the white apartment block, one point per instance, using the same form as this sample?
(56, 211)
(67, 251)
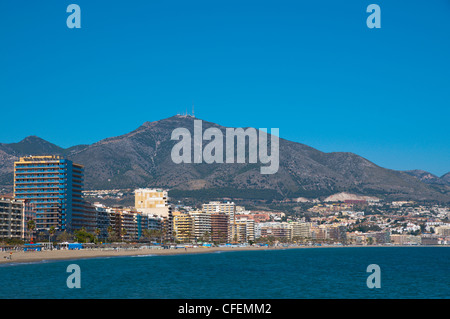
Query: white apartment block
(228, 208)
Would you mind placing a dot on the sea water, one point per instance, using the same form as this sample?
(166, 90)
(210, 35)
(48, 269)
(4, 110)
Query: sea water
(405, 272)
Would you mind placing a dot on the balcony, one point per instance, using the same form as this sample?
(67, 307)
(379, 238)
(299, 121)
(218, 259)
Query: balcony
(38, 176)
(36, 166)
(34, 171)
(39, 193)
(39, 186)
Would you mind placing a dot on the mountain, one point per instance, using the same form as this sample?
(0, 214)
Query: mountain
(36, 146)
(142, 158)
(429, 178)
(446, 178)
(440, 184)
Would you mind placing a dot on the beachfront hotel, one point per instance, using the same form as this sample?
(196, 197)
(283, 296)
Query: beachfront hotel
(53, 185)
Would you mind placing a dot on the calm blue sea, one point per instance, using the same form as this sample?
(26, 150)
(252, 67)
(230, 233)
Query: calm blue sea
(406, 272)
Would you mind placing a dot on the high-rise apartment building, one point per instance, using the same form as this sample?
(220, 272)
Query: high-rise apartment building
(228, 208)
(53, 185)
(183, 227)
(237, 232)
(301, 230)
(340, 233)
(11, 218)
(101, 221)
(29, 219)
(127, 223)
(242, 229)
(202, 225)
(275, 229)
(150, 201)
(219, 227)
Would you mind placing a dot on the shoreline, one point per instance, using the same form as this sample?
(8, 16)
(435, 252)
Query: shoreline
(21, 257)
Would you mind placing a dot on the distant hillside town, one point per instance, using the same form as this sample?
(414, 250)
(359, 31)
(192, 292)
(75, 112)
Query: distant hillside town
(49, 204)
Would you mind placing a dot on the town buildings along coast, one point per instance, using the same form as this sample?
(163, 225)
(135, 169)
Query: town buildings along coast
(48, 201)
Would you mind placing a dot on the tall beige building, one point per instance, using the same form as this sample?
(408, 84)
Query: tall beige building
(237, 232)
(443, 230)
(183, 227)
(301, 229)
(242, 228)
(151, 201)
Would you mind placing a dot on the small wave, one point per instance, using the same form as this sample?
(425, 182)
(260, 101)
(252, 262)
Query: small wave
(12, 264)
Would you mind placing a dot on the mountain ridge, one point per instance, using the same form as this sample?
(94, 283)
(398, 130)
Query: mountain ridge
(141, 158)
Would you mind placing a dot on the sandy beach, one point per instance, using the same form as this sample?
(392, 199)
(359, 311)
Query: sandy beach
(37, 256)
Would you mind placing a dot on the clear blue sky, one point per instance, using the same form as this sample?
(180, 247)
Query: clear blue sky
(310, 68)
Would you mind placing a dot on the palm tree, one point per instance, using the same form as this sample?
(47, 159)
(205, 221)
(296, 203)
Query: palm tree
(51, 232)
(159, 234)
(64, 236)
(31, 225)
(206, 236)
(150, 234)
(147, 233)
(174, 235)
(219, 236)
(109, 231)
(123, 233)
(189, 236)
(97, 232)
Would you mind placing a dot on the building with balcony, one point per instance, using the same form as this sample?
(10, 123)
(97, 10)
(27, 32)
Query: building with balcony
(127, 223)
(183, 227)
(443, 230)
(11, 218)
(101, 221)
(228, 208)
(155, 202)
(242, 229)
(301, 230)
(152, 201)
(201, 225)
(53, 185)
(219, 227)
(275, 229)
